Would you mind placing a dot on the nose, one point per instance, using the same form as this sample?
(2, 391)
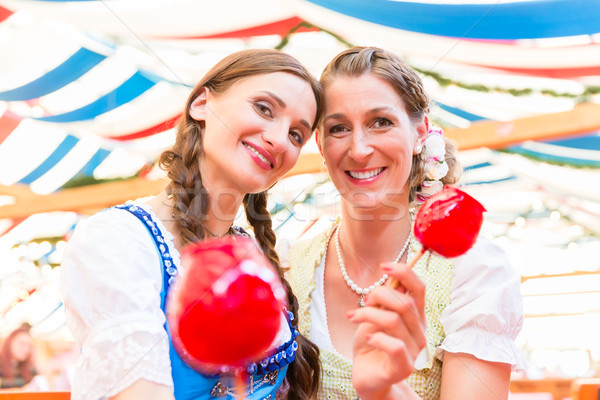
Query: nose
(275, 137)
(360, 147)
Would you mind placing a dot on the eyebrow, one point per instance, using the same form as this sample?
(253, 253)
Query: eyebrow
(282, 104)
(371, 111)
(334, 116)
(277, 99)
(378, 109)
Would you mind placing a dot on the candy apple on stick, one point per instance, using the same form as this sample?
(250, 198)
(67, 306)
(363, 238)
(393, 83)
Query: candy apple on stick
(225, 309)
(447, 224)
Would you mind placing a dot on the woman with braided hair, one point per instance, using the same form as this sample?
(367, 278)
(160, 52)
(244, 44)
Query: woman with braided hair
(242, 129)
(385, 158)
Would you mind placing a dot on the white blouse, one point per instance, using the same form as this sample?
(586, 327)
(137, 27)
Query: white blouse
(484, 316)
(111, 281)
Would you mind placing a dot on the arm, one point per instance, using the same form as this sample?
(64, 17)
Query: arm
(390, 337)
(479, 380)
(110, 285)
(483, 318)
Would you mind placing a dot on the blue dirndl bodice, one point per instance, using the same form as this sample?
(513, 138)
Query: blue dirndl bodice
(266, 376)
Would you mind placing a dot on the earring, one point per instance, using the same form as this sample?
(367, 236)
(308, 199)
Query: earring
(324, 164)
(418, 148)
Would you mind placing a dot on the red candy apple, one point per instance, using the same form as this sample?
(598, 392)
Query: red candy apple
(225, 309)
(449, 222)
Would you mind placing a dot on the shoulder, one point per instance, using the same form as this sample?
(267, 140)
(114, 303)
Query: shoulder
(304, 257)
(111, 240)
(485, 313)
(485, 264)
(107, 223)
(307, 252)
(486, 291)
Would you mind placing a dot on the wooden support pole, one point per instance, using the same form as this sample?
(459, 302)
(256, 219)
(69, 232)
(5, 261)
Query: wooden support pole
(497, 134)
(18, 191)
(492, 134)
(89, 199)
(94, 197)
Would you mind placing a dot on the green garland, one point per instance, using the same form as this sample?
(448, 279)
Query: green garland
(286, 39)
(582, 164)
(445, 81)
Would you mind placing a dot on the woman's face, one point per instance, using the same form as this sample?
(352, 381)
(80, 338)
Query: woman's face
(368, 141)
(21, 346)
(254, 130)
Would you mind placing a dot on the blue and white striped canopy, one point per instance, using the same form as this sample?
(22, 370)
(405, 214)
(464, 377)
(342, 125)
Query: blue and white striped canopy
(92, 89)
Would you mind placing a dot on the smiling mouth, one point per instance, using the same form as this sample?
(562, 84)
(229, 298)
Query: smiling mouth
(365, 174)
(262, 158)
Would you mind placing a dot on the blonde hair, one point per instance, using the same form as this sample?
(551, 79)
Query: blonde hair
(406, 82)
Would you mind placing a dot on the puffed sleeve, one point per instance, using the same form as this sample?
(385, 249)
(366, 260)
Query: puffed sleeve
(485, 313)
(110, 284)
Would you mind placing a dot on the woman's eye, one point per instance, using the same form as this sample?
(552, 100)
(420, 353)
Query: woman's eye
(382, 123)
(263, 109)
(297, 137)
(337, 129)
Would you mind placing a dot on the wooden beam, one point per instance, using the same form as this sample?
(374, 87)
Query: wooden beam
(560, 388)
(565, 314)
(525, 278)
(561, 293)
(496, 134)
(492, 134)
(88, 199)
(95, 197)
(18, 191)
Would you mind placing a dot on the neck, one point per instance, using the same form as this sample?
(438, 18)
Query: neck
(225, 199)
(368, 242)
(219, 216)
(222, 211)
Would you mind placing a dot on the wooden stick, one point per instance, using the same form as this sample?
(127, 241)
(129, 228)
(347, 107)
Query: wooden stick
(393, 283)
(240, 380)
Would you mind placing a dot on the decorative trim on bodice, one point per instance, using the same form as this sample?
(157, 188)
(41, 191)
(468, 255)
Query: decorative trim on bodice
(263, 371)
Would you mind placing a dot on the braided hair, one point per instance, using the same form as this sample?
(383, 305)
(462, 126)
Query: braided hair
(191, 199)
(303, 369)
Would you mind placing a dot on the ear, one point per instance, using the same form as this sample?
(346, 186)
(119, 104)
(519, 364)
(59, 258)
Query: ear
(198, 108)
(318, 140)
(422, 129)
(319, 144)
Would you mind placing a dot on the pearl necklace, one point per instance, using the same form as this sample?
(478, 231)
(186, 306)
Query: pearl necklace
(351, 284)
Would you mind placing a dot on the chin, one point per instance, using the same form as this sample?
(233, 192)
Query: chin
(256, 187)
(383, 205)
(364, 203)
(363, 197)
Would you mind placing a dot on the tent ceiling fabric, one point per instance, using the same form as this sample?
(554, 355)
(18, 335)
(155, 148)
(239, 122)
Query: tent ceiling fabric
(156, 18)
(502, 20)
(551, 55)
(74, 67)
(92, 90)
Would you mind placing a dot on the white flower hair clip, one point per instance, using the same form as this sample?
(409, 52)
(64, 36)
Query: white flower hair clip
(436, 168)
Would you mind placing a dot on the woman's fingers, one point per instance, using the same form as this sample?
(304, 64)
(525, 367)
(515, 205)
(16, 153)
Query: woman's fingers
(399, 318)
(409, 282)
(401, 305)
(395, 348)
